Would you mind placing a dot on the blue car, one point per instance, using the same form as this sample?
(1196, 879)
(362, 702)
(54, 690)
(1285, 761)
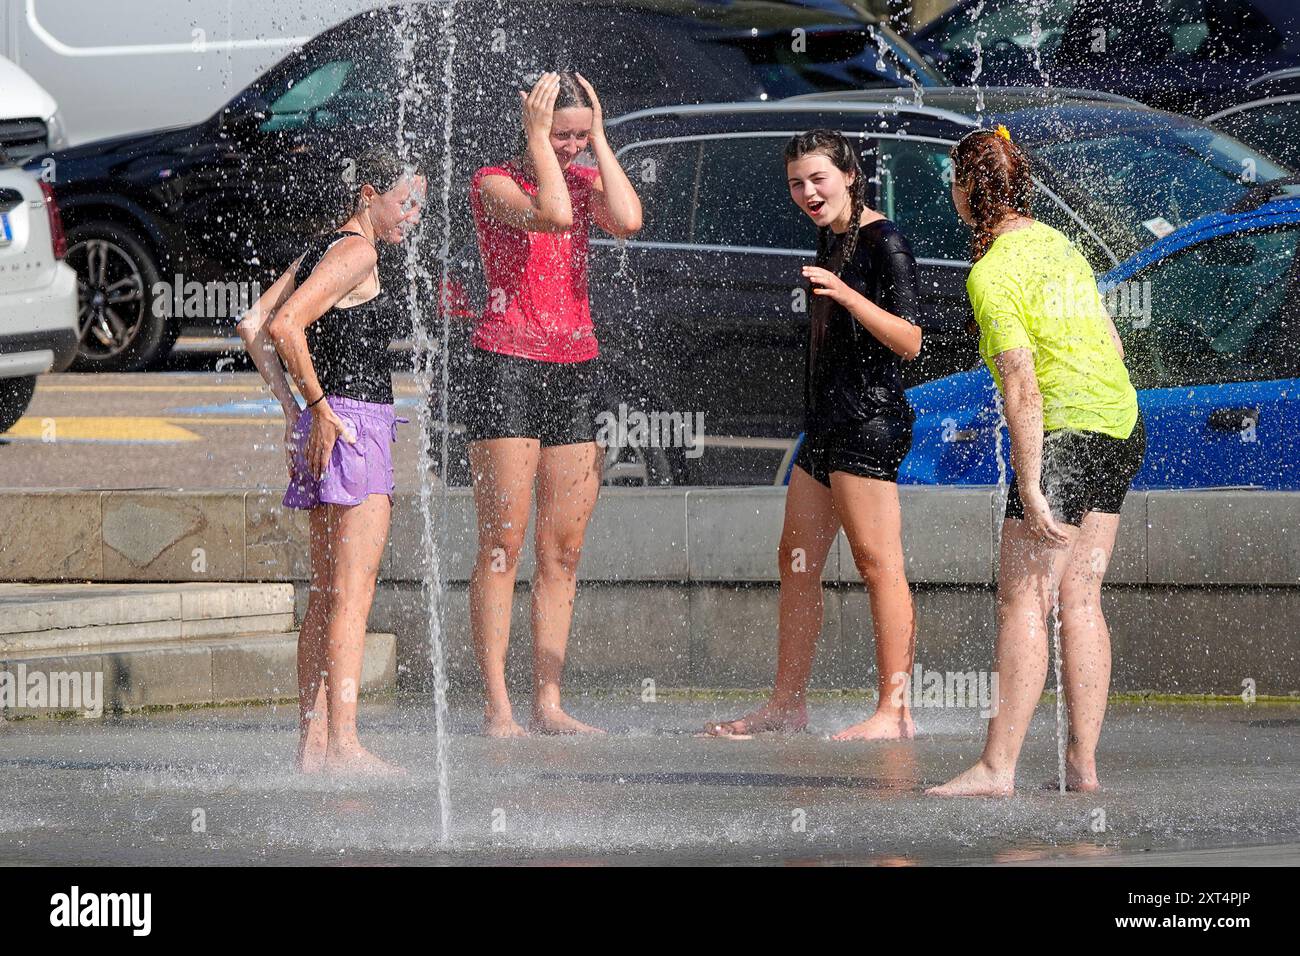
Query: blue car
(1210, 319)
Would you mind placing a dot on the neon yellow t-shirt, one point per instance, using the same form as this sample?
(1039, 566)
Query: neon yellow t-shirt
(1034, 290)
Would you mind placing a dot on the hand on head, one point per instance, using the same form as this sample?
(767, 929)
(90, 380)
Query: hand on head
(539, 104)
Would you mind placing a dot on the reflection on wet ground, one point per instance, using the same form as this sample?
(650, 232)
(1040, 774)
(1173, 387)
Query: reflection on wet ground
(1203, 783)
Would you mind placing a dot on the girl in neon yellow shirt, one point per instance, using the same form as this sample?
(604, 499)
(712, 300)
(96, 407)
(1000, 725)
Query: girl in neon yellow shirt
(1077, 442)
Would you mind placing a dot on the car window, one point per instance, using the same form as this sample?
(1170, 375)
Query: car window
(1224, 310)
(809, 48)
(340, 92)
(1047, 209)
(1273, 128)
(1134, 183)
(665, 176)
(1101, 32)
(744, 199)
(916, 193)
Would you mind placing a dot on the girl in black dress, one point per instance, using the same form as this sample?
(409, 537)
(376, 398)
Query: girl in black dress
(858, 429)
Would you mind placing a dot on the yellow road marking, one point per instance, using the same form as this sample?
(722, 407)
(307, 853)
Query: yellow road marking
(54, 429)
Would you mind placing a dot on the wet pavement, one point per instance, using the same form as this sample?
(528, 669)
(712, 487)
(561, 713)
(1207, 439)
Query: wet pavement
(1184, 783)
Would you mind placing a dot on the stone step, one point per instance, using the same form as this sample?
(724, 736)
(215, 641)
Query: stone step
(55, 617)
(205, 670)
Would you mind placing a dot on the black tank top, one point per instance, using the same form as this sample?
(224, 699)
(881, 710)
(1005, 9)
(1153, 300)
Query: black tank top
(851, 375)
(349, 347)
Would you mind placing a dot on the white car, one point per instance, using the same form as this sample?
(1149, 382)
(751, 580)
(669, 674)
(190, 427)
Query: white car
(30, 121)
(38, 291)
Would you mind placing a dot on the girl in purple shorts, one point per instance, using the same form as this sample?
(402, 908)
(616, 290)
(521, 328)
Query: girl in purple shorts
(331, 322)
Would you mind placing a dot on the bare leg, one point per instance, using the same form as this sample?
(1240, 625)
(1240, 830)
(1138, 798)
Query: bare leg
(313, 715)
(568, 482)
(873, 521)
(1085, 646)
(503, 469)
(359, 535)
(806, 538)
(1027, 572)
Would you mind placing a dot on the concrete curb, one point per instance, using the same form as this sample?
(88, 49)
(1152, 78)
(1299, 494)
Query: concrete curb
(1220, 538)
(1203, 591)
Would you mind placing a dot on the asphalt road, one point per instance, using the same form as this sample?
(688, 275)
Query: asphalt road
(207, 422)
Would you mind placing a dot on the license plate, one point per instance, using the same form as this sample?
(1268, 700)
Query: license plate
(6, 232)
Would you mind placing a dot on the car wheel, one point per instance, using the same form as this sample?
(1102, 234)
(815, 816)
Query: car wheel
(15, 396)
(118, 328)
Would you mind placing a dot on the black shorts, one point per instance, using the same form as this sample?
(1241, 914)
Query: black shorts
(874, 448)
(510, 397)
(1085, 471)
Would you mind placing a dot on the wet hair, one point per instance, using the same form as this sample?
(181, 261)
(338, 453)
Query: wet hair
(376, 166)
(835, 147)
(571, 94)
(996, 175)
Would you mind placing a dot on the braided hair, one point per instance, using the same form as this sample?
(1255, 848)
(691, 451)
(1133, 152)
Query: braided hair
(996, 176)
(835, 147)
(831, 256)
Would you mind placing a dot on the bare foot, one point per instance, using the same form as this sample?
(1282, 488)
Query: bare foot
(356, 760)
(1076, 780)
(880, 726)
(502, 727)
(553, 720)
(979, 781)
(313, 741)
(311, 761)
(767, 719)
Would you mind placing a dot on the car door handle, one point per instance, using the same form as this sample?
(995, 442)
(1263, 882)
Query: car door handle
(1233, 419)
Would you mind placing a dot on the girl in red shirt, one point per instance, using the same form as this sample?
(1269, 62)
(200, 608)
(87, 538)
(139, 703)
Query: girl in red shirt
(532, 418)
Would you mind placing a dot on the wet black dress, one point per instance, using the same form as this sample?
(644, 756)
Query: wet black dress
(857, 418)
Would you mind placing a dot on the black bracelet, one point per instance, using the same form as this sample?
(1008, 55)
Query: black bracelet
(318, 401)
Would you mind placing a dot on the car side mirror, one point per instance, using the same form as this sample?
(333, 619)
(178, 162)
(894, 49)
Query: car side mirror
(245, 117)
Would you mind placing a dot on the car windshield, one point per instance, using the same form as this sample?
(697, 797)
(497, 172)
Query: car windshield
(1057, 32)
(1141, 182)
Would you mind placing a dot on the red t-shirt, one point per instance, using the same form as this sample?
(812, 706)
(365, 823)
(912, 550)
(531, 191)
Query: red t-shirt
(537, 305)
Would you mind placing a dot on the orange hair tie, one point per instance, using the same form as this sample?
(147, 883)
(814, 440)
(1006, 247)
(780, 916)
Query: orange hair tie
(1003, 132)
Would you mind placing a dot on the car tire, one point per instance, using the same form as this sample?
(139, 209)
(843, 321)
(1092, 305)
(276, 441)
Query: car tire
(130, 337)
(15, 396)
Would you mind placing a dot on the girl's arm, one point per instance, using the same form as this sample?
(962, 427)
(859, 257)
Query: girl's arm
(896, 333)
(614, 203)
(550, 210)
(1024, 413)
(252, 329)
(1114, 336)
(344, 266)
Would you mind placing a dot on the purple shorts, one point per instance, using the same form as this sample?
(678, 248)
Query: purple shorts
(355, 471)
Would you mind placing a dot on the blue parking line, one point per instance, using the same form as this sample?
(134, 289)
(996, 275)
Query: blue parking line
(259, 408)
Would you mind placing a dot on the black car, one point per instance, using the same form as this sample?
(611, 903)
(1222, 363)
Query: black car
(1187, 56)
(1267, 116)
(181, 228)
(703, 313)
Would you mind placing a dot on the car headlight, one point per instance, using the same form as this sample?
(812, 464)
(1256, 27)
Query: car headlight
(58, 132)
